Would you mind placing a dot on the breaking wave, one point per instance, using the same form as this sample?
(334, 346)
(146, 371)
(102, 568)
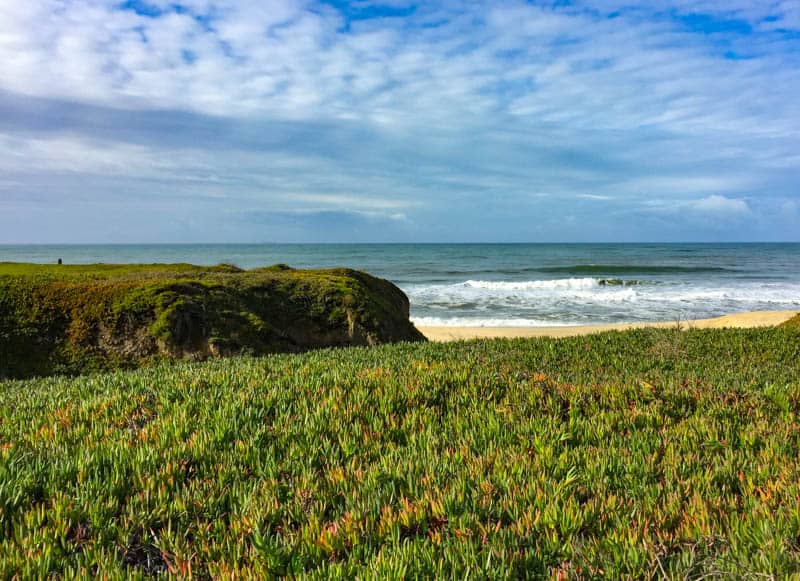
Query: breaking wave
(587, 300)
(558, 284)
(485, 322)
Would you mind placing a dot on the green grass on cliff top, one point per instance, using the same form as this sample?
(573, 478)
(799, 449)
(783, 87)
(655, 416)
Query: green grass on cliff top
(101, 271)
(641, 454)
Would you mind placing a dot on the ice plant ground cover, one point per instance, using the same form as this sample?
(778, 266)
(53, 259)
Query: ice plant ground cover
(643, 453)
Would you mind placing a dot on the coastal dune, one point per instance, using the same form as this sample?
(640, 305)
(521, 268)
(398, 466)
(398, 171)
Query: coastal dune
(738, 320)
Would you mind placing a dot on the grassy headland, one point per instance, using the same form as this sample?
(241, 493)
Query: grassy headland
(73, 319)
(646, 453)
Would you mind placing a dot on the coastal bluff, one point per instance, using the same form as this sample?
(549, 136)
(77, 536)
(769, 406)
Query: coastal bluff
(58, 319)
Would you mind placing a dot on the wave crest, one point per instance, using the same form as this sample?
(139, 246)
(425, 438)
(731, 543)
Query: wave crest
(631, 269)
(557, 284)
(486, 322)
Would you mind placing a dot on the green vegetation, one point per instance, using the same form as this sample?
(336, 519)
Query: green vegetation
(639, 454)
(74, 319)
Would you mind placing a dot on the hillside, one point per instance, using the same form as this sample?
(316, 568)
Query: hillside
(73, 319)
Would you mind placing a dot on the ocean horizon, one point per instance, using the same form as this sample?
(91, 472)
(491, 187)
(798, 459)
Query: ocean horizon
(512, 284)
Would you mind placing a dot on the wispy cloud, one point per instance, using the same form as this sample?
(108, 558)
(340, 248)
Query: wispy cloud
(519, 117)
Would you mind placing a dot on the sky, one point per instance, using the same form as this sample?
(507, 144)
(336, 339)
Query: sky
(332, 121)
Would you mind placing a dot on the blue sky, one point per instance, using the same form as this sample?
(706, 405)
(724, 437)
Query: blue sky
(284, 120)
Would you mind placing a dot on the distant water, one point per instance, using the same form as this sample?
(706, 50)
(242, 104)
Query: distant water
(517, 284)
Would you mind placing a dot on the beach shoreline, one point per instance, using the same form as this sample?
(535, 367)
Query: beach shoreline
(736, 320)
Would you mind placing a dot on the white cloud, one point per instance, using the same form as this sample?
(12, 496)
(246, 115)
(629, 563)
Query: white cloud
(594, 197)
(702, 216)
(720, 205)
(280, 58)
(457, 108)
(791, 209)
(649, 186)
(361, 202)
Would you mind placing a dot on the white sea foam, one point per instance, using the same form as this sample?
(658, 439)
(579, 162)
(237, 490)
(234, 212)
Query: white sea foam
(485, 322)
(558, 284)
(518, 292)
(534, 303)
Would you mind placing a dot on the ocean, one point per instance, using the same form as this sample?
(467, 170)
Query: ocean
(515, 284)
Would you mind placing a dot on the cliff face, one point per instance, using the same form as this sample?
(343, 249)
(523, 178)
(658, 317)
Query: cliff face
(73, 319)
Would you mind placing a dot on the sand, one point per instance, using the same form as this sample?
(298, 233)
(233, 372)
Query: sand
(738, 320)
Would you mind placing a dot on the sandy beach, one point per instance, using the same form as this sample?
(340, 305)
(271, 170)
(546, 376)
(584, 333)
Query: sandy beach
(738, 320)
